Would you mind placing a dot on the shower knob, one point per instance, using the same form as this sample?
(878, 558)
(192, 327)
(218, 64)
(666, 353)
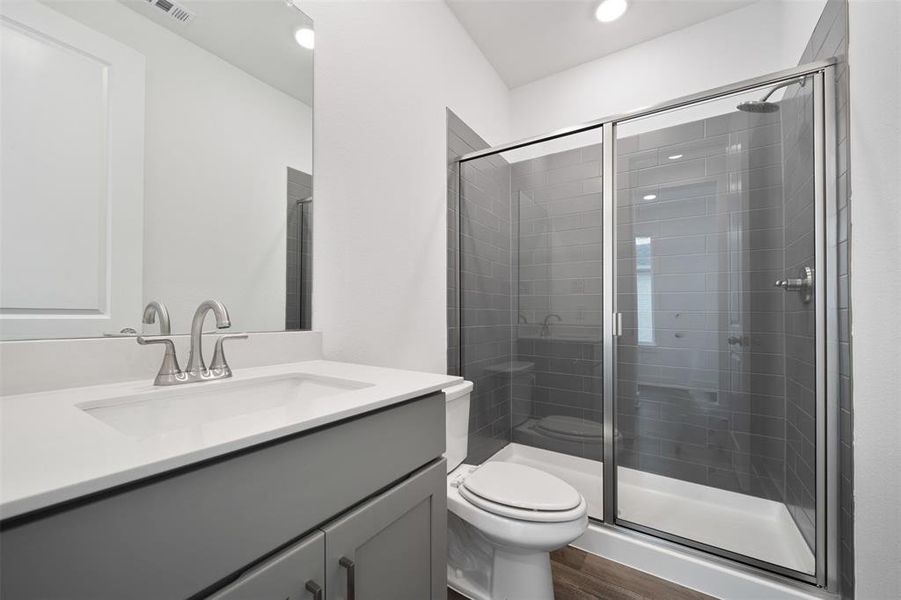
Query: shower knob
(803, 284)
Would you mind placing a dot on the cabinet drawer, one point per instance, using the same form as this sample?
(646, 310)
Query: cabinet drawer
(294, 574)
(177, 535)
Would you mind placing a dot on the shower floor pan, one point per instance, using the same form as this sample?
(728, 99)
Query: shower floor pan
(746, 525)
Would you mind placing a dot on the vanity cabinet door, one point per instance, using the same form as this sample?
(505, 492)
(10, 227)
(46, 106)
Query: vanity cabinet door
(294, 574)
(392, 547)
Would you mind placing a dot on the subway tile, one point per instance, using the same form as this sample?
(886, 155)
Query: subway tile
(557, 160)
(677, 469)
(699, 455)
(527, 180)
(669, 135)
(758, 137)
(669, 173)
(574, 172)
(634, 162)
(746, 160)
(592, 152)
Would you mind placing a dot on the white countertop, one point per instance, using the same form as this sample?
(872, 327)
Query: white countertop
(51, 450)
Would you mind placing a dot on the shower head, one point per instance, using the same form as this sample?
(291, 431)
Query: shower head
(762, 105)
(758, 106)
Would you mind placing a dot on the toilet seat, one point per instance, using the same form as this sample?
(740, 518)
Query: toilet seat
(523, 493)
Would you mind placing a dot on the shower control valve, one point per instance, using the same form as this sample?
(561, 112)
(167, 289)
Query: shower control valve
(803, 284)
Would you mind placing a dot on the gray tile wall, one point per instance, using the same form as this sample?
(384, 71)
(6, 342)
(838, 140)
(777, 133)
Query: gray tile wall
(830, 39)
(488, 305)
(559, 283)
(796, 111)
(299, 249)
(691, 405)
(684, 412)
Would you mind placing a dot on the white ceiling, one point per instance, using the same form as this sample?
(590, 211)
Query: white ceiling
(256, 36)
(526, 40)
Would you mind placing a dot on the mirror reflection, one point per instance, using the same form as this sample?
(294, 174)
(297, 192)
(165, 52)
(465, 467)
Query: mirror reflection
(154, 150)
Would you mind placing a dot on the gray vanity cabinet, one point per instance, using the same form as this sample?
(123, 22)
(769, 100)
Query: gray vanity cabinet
(392, 547)
(294, 574)
(370, 488)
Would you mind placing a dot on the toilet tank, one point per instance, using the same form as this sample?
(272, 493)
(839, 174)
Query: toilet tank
(457, 423)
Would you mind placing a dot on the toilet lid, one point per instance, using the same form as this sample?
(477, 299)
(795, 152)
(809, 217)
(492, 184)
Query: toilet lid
(523, 487)
(571, 426)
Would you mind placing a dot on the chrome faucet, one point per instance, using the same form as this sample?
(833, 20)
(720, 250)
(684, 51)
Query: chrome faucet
(170, 373)
(154, 309)
(546, 325)
(196, 368)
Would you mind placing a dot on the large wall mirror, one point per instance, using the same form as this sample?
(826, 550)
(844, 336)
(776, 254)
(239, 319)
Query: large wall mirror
(154, 150)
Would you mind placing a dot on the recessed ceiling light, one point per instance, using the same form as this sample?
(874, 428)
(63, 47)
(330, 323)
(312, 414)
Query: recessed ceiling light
(649, 197)
(610, 10)
(305, 37)
(674, 156)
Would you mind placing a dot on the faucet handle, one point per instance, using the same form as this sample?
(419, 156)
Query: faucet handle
(169, 373)
(219, 365)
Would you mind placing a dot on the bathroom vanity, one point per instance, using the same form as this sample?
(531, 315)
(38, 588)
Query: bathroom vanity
(336, 490)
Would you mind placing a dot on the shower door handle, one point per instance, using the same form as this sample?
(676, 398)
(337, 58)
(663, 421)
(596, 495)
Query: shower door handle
(803, 284)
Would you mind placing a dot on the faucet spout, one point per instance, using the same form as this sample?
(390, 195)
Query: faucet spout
(196, 367)
(154, 309)
(546, 325)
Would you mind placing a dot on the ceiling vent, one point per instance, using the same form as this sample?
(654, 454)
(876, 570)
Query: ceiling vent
(174, 10)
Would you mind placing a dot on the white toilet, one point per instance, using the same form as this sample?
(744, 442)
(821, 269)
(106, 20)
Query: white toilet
(503, 518)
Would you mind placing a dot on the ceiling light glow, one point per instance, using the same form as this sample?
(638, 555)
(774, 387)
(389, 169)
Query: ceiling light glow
(610, 10)
(674, 156)
(649, 197)
(305, 37)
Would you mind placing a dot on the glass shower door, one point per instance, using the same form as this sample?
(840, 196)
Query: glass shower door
(558, 412)
(716, 365)
(531, 332)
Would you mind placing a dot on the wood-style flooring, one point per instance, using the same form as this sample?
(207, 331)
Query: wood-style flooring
(582, 576)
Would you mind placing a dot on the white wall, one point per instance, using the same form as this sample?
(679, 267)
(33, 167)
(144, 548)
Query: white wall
(217, 145)
(761, 38)
(385, 71)
(875, 139)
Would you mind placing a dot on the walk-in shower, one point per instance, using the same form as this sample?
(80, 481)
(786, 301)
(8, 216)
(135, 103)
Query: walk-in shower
(644, 309)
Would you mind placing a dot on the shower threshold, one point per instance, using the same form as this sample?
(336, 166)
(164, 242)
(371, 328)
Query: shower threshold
(743, 524)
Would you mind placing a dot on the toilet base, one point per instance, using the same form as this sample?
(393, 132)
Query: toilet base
(521, 576)
(481, 570)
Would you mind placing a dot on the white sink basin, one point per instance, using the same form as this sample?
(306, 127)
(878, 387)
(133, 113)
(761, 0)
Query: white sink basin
(216, 404)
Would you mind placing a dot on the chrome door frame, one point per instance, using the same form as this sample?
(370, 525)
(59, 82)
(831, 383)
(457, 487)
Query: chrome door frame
(826, 286)
(828, 406)
(825, 547)
(712, 94)
(612, 318)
